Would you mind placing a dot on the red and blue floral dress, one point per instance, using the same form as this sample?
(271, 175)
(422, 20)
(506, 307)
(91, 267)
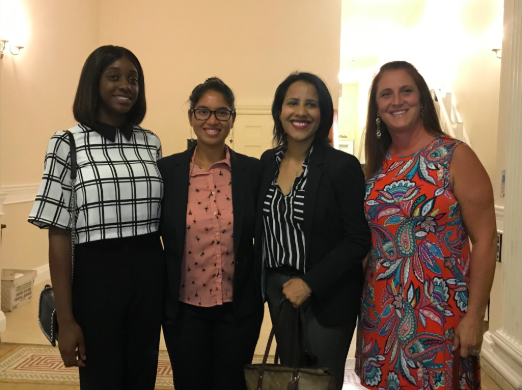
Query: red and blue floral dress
(417, 281)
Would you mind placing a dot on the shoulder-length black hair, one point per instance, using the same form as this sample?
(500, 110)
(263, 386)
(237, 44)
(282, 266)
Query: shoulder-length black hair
(325, 107)
(375, 149)
(85, 107)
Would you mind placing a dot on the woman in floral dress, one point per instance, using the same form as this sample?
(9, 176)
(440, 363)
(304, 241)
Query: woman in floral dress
(427, 196)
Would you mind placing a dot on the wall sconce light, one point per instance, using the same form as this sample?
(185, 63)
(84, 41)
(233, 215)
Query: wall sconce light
(3, 46)
(498, 52)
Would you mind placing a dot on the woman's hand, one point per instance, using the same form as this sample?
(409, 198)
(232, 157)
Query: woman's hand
(71, 344)
(296, 291)
(469, 336)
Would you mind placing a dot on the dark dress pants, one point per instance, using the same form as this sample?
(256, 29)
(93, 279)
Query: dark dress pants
(329, 345)
(209, 347)
(118, 298)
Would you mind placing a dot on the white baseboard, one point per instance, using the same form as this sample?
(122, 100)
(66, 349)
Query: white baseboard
(502, 360)
(43, 274)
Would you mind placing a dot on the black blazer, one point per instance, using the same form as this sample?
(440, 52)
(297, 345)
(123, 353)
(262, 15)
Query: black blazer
(337, 235)
(246, 177)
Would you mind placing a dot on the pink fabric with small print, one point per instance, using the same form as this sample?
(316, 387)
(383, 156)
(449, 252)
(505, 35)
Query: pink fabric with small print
(207, 271)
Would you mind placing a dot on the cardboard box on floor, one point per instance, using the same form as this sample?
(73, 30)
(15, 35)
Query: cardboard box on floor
(17, 288)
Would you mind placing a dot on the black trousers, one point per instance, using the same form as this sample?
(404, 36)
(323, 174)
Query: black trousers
(118, 297)
(208, 347)
(329, 345)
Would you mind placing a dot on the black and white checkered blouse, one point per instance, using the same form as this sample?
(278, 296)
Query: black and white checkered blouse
(118, 188)
(283, 236)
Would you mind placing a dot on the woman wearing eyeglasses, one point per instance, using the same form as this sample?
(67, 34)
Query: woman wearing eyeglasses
(214, 307)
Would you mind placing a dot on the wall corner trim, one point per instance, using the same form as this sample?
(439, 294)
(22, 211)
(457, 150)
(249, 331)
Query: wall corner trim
(503, 359)
(3, 321)
(499, 212)
(42, 274)
(3, 196)
(19, 194)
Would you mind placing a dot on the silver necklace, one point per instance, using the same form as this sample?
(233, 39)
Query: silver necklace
(297, 172)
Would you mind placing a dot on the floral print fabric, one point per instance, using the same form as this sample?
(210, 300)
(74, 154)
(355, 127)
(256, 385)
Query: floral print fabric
(416, 289)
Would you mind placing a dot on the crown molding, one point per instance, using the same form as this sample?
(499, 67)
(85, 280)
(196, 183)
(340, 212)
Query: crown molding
(254, 107)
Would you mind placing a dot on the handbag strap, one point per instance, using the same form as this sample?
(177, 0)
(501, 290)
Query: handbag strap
(297, 349)
(72, 202)
(277, 322)
(456, 371)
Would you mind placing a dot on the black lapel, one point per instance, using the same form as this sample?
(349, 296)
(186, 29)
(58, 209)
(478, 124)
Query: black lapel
(268, 177)
(270, 167)
(180, 175)
(239, 185)
(315, 171)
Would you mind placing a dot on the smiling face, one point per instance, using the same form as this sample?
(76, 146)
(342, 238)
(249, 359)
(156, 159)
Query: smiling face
(300, 113)
(398, 101)
(118, 91)
(211, 132)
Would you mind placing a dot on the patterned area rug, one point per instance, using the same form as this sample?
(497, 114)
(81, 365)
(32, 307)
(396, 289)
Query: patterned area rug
(43, 364)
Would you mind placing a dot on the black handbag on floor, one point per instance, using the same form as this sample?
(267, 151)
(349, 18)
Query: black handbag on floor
(47, 305)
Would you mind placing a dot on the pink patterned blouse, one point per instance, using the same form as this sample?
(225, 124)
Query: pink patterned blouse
(207, 271)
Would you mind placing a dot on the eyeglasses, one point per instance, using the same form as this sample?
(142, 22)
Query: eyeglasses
(221, 114)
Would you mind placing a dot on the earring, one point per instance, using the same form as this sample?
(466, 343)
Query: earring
(378, 132)
(422, 114)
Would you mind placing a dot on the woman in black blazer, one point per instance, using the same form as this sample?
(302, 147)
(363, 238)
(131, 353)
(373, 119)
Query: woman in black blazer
(312, 235)
(214, 307)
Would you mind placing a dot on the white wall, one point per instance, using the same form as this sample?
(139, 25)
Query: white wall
(252, 45)
(36, 93)
(449, 41)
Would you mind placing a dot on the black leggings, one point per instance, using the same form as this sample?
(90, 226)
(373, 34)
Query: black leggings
(118, 295)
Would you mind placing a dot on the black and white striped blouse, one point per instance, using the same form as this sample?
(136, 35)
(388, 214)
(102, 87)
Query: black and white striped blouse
(283, 216)
(119, 187)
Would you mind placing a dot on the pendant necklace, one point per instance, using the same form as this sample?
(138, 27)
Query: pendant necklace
(296, 172)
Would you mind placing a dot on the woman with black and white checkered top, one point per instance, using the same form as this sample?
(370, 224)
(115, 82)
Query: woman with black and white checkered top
(110, 316)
